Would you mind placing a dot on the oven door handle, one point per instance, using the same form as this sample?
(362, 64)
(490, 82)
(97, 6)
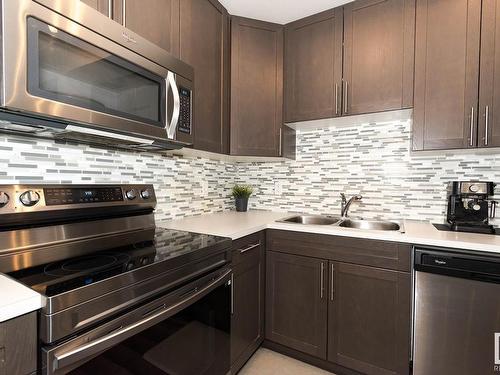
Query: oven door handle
(73, 356)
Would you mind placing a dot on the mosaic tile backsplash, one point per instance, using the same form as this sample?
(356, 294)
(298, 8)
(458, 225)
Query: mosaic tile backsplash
(184, 186)
(371, 159)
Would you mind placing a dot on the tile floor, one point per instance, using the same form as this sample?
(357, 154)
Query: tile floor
(267, 362)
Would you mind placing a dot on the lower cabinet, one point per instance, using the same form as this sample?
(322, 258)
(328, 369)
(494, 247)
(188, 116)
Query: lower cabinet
(247, 323)
(369, 319)
(350, 315)
(296, 314)
(18, 345)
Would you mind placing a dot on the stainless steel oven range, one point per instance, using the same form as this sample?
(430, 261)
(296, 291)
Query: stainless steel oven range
(121, 295)
(70, 72)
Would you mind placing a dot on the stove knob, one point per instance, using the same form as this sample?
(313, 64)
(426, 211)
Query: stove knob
(4, 199)
(145, 194)
(474, 188)
(131, 194)
(29, 198)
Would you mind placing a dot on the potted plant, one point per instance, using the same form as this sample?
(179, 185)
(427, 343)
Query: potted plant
(241, 193)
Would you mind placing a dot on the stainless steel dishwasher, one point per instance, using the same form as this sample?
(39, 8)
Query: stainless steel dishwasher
(456, 313)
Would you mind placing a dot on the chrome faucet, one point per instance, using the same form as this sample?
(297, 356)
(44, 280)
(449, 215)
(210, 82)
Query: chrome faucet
(346, 204)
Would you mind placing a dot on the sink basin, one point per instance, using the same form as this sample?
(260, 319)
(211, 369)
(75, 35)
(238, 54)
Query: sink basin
(370, 225)
(312, 220)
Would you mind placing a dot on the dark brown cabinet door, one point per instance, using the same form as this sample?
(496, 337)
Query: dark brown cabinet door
(204, 45)
(100, 5)
(296, 302)
(247, 323)
(155, 20)
(489, 94)
(313, 67)
(378, 55)
(369, 319)
(256, 87)
(446, 74)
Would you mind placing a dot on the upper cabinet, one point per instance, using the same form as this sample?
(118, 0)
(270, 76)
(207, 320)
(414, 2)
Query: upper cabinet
(489, 93)
(447, 73)
(378, 55)
(155, 20)
(204, 44)
(256, 87)
(102, 6)
(313, 68)
(352, 60)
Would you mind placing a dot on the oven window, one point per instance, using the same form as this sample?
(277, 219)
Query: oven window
(69, 70)
(195, 341)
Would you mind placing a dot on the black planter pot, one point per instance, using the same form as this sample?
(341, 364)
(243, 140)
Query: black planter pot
(241, 204)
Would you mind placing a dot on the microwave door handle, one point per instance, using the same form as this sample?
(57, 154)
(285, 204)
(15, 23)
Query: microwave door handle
(172, 84)
(75, 355)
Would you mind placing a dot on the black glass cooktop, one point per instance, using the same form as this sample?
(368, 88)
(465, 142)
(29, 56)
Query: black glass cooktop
(65, 275)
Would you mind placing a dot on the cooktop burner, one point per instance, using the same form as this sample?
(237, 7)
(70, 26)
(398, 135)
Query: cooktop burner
(68, 274)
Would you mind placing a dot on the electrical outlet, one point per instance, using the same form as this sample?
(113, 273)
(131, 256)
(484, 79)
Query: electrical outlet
(278, 188)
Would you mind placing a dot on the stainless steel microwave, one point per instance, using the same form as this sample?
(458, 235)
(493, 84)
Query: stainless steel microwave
(71, 72)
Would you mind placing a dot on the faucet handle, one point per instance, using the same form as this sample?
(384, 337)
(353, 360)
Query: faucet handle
(342, 195)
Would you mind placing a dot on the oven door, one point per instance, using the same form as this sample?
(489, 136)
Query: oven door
(57, 68)
(186, 332)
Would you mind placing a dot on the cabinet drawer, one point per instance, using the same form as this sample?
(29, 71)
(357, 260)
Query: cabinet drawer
(383, 254)
(247, 248)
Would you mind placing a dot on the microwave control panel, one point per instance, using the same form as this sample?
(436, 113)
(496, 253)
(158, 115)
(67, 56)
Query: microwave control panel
(185, 114)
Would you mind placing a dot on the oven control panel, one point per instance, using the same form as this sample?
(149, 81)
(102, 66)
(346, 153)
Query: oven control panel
(27, 198)
(58, 196)
(185, 114)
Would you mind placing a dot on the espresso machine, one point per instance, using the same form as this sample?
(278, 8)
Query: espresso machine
(470, 206)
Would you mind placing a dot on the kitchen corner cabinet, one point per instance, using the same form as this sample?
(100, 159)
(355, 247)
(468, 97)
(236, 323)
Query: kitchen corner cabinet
(378, 56)
(256, 87)
(313, 67)
(19, 345)
(155, 20)
(296, 302)
(351, 60)
(489, 93)
(339, 299)
(204, 44)
(247, 322)
(446, 74)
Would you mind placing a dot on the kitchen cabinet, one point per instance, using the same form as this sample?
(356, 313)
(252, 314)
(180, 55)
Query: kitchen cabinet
(351, 60)
(313, 66)
(18, 345)
(446, 74)
(296, 302)
(256, 87)
(247, 322)
(489, 93)
(369, 318)
(155, 20)
(346, 300)
(204, 44)
(100, 5)
(378, 55)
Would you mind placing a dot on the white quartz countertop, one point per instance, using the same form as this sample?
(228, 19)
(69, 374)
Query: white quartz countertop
(16, 299)
(239, 224)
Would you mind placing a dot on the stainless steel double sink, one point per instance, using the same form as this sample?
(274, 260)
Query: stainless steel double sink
(344, 222)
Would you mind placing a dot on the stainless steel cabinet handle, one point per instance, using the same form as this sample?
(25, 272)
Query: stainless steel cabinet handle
(280, 152)
(250, 247)
(110, 8)
(472, 126)
(321, 283)
(487, 125)
(124, 13)
(332, 274)
(232, 293)
(337, 99)
(346, 97)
